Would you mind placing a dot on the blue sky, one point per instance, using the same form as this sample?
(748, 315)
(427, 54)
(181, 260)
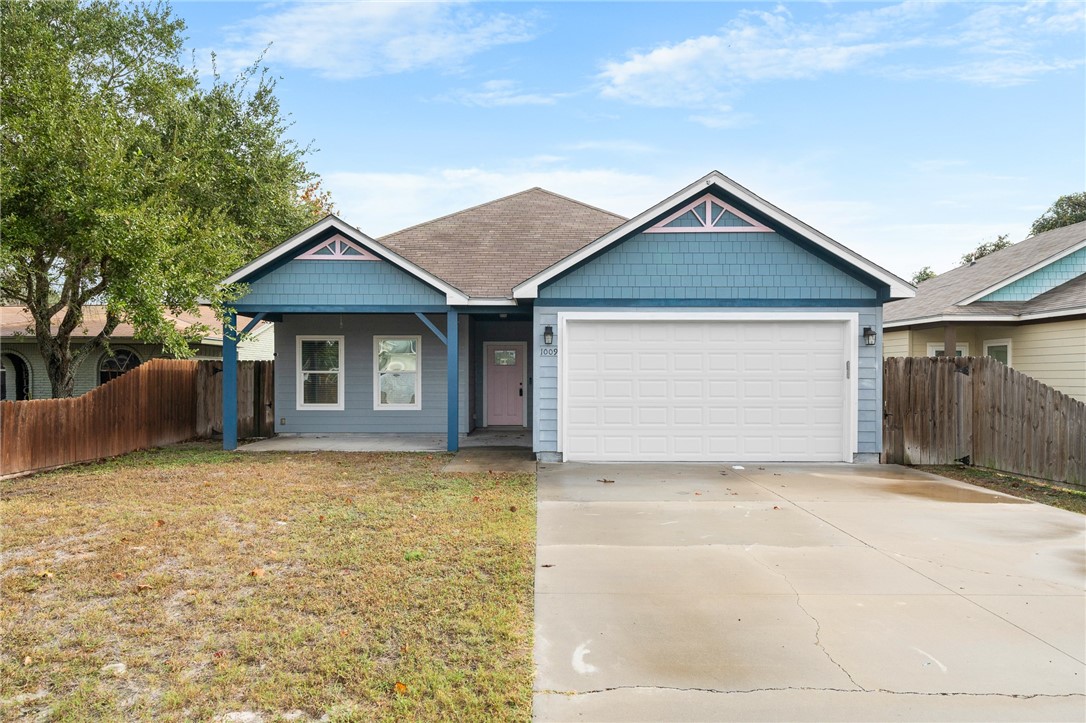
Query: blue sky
(909, 132)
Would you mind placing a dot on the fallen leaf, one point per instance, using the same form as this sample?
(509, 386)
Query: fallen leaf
(475, 499)
(606, 481)
(762, 468)
(256, 572)
(45, 574)
(219, 654)
(775, 507)
(548, 565)
(343, 633)
(321, 518)
(697, 494)
(119, 576)
(348, 500)
(27, 660)
(141, 587)
(160, 523)
(512, 508)
(401, 689)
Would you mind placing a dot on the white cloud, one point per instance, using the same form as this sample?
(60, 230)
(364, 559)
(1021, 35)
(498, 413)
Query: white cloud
(497, 93)
(994, 44)
(358, 39)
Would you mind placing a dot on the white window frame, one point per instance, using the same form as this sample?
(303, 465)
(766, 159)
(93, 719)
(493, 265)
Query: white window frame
(1000, 342)
(934, 346)
(377, 405)
(300, 403)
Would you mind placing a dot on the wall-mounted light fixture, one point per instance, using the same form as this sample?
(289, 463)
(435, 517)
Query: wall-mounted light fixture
(869, 336)
(548, 335)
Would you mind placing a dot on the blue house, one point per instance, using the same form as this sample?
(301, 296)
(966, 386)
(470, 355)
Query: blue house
(711, 327)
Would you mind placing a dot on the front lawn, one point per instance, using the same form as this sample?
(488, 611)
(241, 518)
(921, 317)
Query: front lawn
(357, 586)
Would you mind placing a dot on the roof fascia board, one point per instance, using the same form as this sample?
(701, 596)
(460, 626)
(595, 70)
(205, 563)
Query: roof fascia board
(985, 318)
(898, 288)
(1022, 274)
(452, 294)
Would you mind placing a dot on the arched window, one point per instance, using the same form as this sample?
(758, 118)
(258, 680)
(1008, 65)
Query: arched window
(14, 377)
(114, 366)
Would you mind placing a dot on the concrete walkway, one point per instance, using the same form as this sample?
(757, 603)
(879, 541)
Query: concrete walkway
(817, 592)
(390, 442)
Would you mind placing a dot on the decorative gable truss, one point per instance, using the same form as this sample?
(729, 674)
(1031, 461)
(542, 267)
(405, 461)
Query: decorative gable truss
(708, 214)
(339, 248)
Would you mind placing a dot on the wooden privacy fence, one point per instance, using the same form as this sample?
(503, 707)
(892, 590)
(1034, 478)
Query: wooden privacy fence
(977, 410)
(160, 402)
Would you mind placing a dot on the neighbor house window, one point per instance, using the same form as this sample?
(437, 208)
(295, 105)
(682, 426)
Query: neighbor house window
(397, 371)
(115, 364)
(936, 349)
(320, 372)
(998, 349)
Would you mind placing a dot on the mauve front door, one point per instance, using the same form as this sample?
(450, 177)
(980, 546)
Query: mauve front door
(505, 379)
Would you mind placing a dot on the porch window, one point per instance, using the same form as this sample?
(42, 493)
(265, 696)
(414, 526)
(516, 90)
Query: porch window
(998, 349)
(936, 349)
(397, 382)
(320, 372)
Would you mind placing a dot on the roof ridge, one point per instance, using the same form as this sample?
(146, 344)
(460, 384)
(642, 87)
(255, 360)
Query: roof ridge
(493, 201)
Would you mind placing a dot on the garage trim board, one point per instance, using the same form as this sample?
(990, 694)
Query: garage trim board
(828, 328)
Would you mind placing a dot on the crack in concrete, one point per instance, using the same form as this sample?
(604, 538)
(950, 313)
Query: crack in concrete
(818, 625)
(781, 689)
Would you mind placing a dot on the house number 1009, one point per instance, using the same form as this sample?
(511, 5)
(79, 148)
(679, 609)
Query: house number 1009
(548, 351)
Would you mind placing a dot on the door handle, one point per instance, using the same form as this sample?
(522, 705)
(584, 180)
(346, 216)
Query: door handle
(521, 390)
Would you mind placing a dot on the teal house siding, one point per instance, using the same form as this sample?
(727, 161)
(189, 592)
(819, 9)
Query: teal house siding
(358, 414)
(1042, 280)
(311, 282)
(707, 266)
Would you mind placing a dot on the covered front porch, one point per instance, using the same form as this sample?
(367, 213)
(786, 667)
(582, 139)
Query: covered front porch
(392, 379)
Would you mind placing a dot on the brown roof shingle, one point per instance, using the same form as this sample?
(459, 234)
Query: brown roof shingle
(487, 250)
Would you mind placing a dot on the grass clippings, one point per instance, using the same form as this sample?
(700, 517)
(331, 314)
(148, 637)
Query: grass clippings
(188, 583)
(1065, 496)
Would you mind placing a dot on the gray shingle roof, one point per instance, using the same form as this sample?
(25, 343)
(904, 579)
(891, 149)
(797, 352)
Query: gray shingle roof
(940, 296)
(487, 250)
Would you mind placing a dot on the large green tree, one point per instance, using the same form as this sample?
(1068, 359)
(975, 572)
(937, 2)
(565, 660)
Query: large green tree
(126, 181)
(1065, 211)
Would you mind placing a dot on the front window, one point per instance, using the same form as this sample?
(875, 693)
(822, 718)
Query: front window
(397, 372)
(320, 372)
(115, 364)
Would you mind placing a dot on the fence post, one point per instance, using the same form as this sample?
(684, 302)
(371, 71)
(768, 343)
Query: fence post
(230, 382)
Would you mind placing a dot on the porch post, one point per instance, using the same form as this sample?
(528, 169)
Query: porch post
(230, 382)
(452, 350)
(950, 341)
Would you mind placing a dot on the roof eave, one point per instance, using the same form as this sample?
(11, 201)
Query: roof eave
(1021, 274)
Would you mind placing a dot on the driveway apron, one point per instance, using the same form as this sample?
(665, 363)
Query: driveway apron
(803, 592)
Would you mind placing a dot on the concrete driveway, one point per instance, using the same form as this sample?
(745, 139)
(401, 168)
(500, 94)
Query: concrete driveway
(813, 592)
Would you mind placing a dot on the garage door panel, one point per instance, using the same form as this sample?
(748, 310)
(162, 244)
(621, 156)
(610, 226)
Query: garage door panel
(705, 390)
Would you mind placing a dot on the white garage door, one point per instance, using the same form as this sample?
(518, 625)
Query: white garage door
(705, 390)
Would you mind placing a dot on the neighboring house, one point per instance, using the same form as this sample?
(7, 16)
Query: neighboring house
(1024, 305)
(23, 374)
(713, 326)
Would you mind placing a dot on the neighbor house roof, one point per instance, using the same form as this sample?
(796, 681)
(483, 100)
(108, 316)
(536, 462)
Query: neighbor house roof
(16, 321)
(487, 250)
(956, 293)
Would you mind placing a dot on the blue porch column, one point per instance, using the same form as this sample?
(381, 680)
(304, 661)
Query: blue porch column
(230, 382)
(452, 350)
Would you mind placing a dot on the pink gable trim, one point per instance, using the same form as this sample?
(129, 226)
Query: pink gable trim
(703, 211)
(341, 250)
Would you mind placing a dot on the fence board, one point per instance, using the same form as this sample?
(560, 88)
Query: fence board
(940, 410)
(160, 402)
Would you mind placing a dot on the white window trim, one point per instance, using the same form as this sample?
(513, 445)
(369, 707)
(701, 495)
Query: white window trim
(300, 403)
(999, 342)
(377, 406)
(934, 346)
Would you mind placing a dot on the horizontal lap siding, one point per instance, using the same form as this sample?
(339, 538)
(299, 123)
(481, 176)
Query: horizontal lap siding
(312, 282)
(358, 415)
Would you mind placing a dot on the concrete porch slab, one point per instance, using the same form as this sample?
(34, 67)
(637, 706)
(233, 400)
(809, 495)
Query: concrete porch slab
(492, 459)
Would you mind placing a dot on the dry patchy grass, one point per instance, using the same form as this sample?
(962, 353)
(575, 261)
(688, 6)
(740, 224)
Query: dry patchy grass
(1063, 495)
(357, 586)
